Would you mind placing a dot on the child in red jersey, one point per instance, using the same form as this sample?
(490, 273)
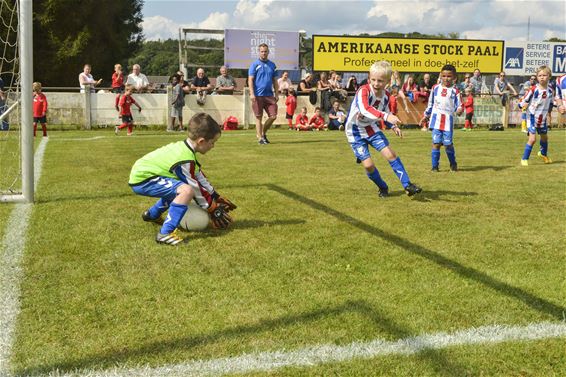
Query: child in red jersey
(124, 104)
(469, 107)
(317, 121)
(117, 79)
(291, 105)
(302, 123)
(39, 109)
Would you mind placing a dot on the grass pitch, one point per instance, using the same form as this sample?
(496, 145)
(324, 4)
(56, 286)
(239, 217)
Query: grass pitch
(314, 256)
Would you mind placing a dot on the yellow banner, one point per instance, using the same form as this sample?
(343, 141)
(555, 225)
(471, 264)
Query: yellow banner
(357, 54)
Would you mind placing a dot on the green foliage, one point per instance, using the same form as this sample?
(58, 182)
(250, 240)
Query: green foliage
(68, 34)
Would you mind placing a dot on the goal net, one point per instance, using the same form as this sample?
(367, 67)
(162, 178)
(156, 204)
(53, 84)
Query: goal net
(16, 147)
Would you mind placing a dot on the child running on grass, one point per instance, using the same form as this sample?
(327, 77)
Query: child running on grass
(124, 107)
(444, 101)
(537, 101)
(369, 107)
(39, 109)
(173, 174)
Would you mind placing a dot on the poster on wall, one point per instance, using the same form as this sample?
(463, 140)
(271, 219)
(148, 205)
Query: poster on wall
(523, 58)
(241, 48)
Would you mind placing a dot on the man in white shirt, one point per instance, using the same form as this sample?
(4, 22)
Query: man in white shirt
(138, 79)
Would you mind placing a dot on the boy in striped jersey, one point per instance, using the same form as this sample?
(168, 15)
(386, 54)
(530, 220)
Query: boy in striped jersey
(444, 101)
(369, 107)
(172, 173)
(537, 101)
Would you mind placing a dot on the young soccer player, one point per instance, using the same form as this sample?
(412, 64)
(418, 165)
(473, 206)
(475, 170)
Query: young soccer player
(39, 109)
(173, 174)
(317, 120)
(469, 107)
(369, 107)
(124, 107)
(560, 96)
(537, 101)
(302, 123)
(178, 102)
(444, 101)
(291, 106)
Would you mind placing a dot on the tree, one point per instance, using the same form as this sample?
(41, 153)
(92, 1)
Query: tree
(68, 34)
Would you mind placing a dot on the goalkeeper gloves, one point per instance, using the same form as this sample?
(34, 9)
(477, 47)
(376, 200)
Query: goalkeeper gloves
(219, 216)
(228, 205)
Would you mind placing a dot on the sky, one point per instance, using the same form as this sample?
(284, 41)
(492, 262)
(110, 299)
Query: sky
(474, 19)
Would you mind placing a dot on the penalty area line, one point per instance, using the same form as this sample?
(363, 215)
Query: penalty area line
(330, 353)
(13, 246)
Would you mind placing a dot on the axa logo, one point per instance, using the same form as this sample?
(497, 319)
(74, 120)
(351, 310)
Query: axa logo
(514, 58)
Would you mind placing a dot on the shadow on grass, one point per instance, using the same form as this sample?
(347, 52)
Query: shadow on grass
(242, 224)
(113, 358)
(427, 196)
(480, 168)
(534, 302)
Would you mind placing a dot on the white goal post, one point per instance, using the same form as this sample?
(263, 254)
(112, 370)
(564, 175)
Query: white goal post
(21, 96)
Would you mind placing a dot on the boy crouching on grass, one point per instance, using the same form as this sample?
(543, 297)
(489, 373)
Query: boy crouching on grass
(369, 107)
(172, 173)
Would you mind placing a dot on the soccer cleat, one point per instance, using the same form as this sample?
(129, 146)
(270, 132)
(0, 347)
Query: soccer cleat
(261, 142)
(412, 189)
(116, 130)
(435, 169)
(454, 167)
(172, 239)
(129, 134)
(546, 159)
(266, 140)
(146, 217)
(525, 162)
(383, 192)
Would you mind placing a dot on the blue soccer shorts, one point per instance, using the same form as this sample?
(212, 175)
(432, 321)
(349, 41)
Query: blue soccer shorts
(441, 137)
(533, 129)
(159, 187)
(360, 147)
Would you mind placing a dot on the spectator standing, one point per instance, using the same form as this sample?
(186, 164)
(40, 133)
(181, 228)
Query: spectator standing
(177, 102)
(306, 86)
(477, 82)
(138, 80)
(465, 84)
(537, 101)
(262, 80)
(502, 87)
(201, 84)
(352, 84)
(225, 84)
(86, 81)
(39, 109)
(118, 79)
(284, 83)
(184, 83)
(524, 87)
(325, 89)
(290, 106)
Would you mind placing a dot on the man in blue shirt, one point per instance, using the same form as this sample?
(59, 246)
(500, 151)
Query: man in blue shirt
(262, 80)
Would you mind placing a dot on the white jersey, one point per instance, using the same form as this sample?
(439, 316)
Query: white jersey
(538, 101)
(561, 88)
(443, 102)
(366, 113)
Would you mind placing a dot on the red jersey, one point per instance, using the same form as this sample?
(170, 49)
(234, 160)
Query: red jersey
(393, 104)
(302, 120)
(117, 80)
(126, 101)
(291, 103)
(317, 120)
(39, 105)
(469, 104)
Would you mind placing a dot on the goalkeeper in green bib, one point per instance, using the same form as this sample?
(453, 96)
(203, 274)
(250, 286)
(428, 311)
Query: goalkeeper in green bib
(172, 173)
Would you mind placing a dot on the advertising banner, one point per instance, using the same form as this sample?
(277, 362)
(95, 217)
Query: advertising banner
(523, 58)
(357, 54)
(241, 48)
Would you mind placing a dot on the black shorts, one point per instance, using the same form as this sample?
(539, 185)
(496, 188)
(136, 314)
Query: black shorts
(42, 119)
(288, 116)
(469, 116)
(127, 119)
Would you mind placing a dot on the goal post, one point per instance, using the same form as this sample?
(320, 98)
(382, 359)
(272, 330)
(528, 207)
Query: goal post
(16, 65)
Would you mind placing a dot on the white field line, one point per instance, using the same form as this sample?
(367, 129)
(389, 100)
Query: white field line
(11, 254)
(329, 353)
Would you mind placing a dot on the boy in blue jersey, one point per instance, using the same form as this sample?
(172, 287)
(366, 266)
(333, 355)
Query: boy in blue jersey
(172, 173)
(444, 101)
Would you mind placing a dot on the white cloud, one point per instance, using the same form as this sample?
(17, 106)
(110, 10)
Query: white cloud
(158, 27)
(215, 20)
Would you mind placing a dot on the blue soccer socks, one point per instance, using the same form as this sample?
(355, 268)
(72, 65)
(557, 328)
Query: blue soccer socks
(527, 152)
(544, 147)
(176, 213)
(451, 154)
(400, 171)
(435, 155)
(376, 178)
(158, 208)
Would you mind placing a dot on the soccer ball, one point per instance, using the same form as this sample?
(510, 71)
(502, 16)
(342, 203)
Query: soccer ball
(195, 218)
